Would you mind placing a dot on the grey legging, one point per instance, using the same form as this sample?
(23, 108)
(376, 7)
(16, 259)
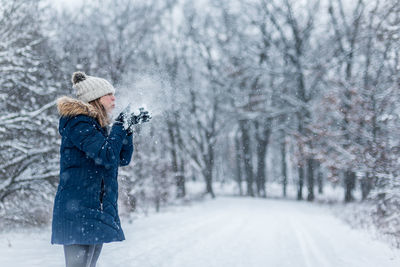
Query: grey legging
(82, 255)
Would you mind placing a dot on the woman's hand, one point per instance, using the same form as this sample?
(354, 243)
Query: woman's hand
(127, 121)
(130, 119)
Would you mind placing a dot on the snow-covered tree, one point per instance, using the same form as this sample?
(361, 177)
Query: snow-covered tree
(28, 165)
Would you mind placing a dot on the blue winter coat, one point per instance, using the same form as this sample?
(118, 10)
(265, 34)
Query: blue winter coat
(85, 206)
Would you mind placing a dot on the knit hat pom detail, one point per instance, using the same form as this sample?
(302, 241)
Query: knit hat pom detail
(78, 77)
(89, 88)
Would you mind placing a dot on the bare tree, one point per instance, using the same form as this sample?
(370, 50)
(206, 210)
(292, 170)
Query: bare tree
(346, 31)
(110, 38)
(295, 34)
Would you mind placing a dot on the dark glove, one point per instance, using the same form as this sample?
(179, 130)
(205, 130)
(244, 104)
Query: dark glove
(127, 120)
(122, 117)
(144, 116)
(132, 120)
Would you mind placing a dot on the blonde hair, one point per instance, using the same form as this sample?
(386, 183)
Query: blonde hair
(102, 116)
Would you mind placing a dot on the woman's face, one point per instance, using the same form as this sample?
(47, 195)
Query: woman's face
(108, 102)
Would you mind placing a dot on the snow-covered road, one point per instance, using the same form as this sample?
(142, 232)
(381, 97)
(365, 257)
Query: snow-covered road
(226, 232)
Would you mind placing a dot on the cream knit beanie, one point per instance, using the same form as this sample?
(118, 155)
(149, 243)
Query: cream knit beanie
(89, 88)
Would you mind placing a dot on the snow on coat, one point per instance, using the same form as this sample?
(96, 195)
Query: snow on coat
(88, 172)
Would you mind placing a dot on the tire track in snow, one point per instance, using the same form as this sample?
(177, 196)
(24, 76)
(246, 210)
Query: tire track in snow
(312, 255)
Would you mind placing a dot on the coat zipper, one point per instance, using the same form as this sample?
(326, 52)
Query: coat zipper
(101, 194)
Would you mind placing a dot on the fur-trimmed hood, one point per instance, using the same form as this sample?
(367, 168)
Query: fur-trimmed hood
(68, 107)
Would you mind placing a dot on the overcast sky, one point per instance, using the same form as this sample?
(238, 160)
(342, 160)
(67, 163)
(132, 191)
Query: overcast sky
(64, 3)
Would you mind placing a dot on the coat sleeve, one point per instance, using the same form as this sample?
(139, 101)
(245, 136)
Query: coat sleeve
(126, 151)
(103, 150)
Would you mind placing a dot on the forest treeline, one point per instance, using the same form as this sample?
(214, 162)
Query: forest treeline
(296, 93)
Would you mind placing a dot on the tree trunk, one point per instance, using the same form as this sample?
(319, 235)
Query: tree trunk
(208, 178)
(182, 169)
(260, 178)
(310, 179)
(350, 183)
(208, 174)
(301, 159)
(320, 178)
(301, 182)
(262, 148)
(238, 164)
(283, 163)
(248, 166)
(179, 178)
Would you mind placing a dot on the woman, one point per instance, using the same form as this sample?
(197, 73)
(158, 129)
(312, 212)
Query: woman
(85, 208)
